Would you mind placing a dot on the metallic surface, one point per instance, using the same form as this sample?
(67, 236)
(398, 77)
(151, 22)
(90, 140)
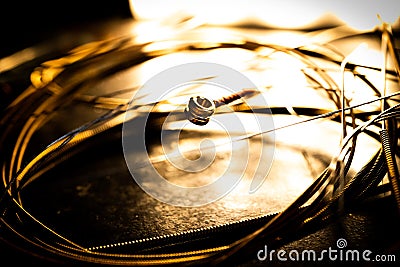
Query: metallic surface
(87, 200)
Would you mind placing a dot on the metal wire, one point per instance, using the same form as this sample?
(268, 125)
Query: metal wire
(56, 86)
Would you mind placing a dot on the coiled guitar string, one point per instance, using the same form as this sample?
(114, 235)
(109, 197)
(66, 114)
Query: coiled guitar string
(57, 85)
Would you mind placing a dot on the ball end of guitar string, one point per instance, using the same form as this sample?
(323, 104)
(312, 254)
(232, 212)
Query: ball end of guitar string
(199, 110)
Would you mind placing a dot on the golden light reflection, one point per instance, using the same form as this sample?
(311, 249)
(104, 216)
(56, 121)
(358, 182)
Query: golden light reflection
(284, 79)
(277, 14)
(16, 59)
(300, 76)
(361, 15)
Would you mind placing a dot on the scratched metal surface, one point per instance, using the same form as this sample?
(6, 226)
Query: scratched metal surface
(95, 190)
(92, 199)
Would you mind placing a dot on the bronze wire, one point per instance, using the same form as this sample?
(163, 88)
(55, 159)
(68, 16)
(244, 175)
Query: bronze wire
(22, 119)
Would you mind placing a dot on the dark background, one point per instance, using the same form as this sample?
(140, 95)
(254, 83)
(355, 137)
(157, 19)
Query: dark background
(27, 23)
(55, 27)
